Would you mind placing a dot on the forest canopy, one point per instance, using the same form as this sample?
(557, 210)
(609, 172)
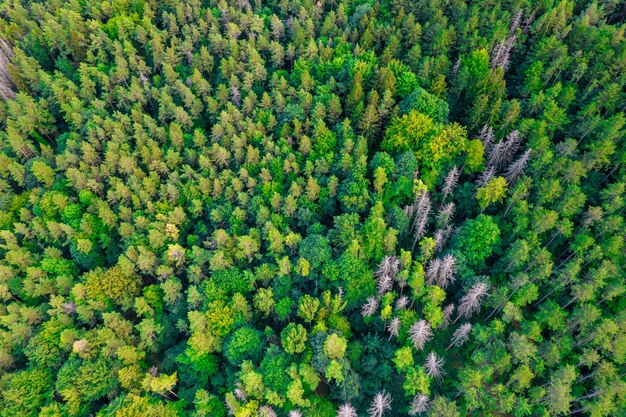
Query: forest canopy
(312, 208)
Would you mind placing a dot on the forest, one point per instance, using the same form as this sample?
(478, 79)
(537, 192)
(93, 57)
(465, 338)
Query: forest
(312, 208)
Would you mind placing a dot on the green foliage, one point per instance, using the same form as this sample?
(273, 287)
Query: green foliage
(477, 238)
(284, 208)
(25, 392)
(245, 343)
(293, 338)
(493, 192)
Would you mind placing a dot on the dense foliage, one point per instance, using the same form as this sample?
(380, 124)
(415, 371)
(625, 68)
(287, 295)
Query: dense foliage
(312, 208)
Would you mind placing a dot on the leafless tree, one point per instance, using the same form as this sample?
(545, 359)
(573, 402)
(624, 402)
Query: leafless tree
(447, 268)
(447, 315)
(502, 51)
(370, 307)
(528, 22)
(515, 22)
(450, 182)
(69, 308)
(434, 365)
(446, 213)
(419, 212)
(432, 272)
(502, 153)
(380, 404)
(346, 410)
(266, 411)
(470, 303)
(295, 413)
(512, 144)
(394, 327)
(7, 88)
(402, 302)
(419, 404)
(496, 155)
(516, 169)
(456, 66)
(239, 392)
(390, 265)
(235, 95)
(486, 137)
(420, 333)
(441, 237)
(486, 176)
(460, 336)
(384, 284)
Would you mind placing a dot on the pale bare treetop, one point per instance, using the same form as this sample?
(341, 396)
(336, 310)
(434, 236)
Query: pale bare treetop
(384, 284)
(419, 404)
(516, 169)
(434, 365)
(420, 333)
(432, 272)
(471, 302)
(461, 335)
(450, 182)
(402, 302)
(370, 307)
(447, 315)
(346, 410)
(380, 404)
(447, 268)
(394, 327)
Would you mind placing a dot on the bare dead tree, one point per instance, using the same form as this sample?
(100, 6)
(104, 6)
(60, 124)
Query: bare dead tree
(419, 404)
(447, 315)
(450, 182)
(447, 268)
(7, 88)
(486, 138)
(384, 284)
(235, 96)
(502, 153)
(441, 237)
(511, 145)
(496, 155)
(456, 66)
(486, 176)
(515, 22)
(394, 327)
(421, 209)
(239, 392)
(420, 333)
(528, 22)
(295, 413)
(380, 404)
(446, 213)
(402, 302)
(502, 51)
(69, 308)
(434, 366)
(460, 336)
(516, 169)
(266, 411)
(390, 265)
(432, 272)
(370, 307)
(471, 302)
(346, 410)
